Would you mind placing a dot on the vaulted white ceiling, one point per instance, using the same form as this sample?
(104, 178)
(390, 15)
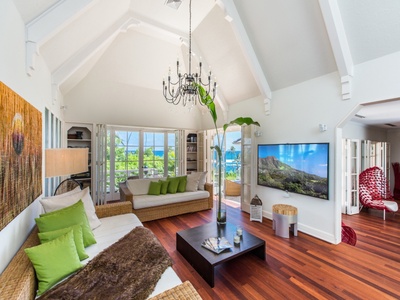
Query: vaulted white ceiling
(253, 47)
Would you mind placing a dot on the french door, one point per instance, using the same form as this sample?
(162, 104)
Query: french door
(139, 153)
(351, 167)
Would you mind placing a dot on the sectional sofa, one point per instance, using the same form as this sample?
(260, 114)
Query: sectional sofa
(113, 222)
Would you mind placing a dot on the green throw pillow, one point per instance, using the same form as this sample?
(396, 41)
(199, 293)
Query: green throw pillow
(154, 188)
(54, 260)
(164, 186)
(172, 185)
(78, 238)
(66, 217)
(182, 184)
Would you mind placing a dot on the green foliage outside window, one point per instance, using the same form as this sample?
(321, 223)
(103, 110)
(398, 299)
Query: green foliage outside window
(127, 162)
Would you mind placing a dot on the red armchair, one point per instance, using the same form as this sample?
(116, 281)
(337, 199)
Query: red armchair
(374, 191)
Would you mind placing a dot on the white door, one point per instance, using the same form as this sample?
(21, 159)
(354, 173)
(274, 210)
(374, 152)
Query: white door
(101, 151)
(248, 161)
(352, 167)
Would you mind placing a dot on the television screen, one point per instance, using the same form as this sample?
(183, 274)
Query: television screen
(297, 168)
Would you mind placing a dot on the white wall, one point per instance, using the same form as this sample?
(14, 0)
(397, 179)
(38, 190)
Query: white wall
(354, 130)
(98, 97)
(296, 113)
(35, 90)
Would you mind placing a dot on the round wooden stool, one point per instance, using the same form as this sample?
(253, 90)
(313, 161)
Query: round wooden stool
(284, 217)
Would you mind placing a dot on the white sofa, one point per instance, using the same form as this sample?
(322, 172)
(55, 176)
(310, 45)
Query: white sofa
(18, 281)
(152, 207)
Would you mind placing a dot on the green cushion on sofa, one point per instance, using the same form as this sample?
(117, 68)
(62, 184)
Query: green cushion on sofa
(154, 188)
(66, 217)
(173, 185)
(54, 260)
(78, 238)
(164, 186)
(182, 184)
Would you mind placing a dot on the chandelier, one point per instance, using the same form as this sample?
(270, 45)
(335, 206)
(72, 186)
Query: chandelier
(186, 86)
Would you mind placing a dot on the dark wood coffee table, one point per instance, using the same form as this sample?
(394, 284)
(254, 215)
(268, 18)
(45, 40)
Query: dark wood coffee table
(188, 243)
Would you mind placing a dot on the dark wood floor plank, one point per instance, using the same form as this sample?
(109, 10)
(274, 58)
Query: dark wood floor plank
(301, 267)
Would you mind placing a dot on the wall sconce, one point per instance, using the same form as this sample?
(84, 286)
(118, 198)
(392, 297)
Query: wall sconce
(257, 133)
(323, 127)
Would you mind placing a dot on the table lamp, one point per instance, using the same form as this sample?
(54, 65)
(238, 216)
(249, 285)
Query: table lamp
(66, 161)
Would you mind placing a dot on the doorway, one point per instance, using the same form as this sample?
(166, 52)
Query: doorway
(232, 162)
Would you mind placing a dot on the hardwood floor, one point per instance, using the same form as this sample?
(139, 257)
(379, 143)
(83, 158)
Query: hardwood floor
(300, 267)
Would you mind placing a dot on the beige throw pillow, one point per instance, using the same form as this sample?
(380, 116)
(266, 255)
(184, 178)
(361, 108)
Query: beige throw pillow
(192, 182)
(61, 201)
(202, 180)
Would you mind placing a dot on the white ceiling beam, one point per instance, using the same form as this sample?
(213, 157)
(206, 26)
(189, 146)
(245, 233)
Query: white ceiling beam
(79, 59)
(340, 46)
(232, 15)
(48, 24)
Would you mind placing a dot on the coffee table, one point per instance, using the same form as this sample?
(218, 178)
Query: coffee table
(188, 243)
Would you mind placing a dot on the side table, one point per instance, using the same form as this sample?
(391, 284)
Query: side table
(283, 217)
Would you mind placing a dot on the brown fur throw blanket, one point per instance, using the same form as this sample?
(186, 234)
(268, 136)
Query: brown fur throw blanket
(128, 269)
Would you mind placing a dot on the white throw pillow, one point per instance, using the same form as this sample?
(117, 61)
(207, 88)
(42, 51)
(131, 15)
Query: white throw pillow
(67, 199)
(202, 180)
(141, 186)
(192, 183)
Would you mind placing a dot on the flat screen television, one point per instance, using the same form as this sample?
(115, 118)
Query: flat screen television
(297, 168)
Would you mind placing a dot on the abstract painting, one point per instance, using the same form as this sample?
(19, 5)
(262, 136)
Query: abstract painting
(20, 154)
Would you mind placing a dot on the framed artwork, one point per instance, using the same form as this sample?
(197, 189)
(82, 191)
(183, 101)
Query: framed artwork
(20, 154)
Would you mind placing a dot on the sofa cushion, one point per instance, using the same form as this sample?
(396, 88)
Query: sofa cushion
(192, 182)
(143, 201)
(164, 187)
(54, 260)
(182, 184)
(66, 217)
(78, 238)
(60, 201)
(155, 188)
(141, 186)
(202, 180)
(173, 185)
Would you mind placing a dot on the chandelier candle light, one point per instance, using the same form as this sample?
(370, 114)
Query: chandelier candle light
(185, 87)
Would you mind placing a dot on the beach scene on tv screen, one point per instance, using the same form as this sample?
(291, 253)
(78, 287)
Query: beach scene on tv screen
(297, 168)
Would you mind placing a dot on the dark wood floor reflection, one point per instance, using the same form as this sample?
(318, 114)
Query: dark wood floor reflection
(300, 267)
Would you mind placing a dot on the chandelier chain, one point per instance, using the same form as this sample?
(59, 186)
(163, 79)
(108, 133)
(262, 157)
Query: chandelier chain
(190, 37)
(189, 88)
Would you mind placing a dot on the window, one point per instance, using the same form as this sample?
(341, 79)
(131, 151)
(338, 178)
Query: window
(140, 153)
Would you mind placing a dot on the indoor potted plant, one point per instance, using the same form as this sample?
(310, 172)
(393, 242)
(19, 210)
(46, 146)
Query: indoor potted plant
(207, 101)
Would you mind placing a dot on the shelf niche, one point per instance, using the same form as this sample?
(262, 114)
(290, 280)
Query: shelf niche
(191, 153)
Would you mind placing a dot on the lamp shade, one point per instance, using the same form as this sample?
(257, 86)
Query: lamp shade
(66, 161)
